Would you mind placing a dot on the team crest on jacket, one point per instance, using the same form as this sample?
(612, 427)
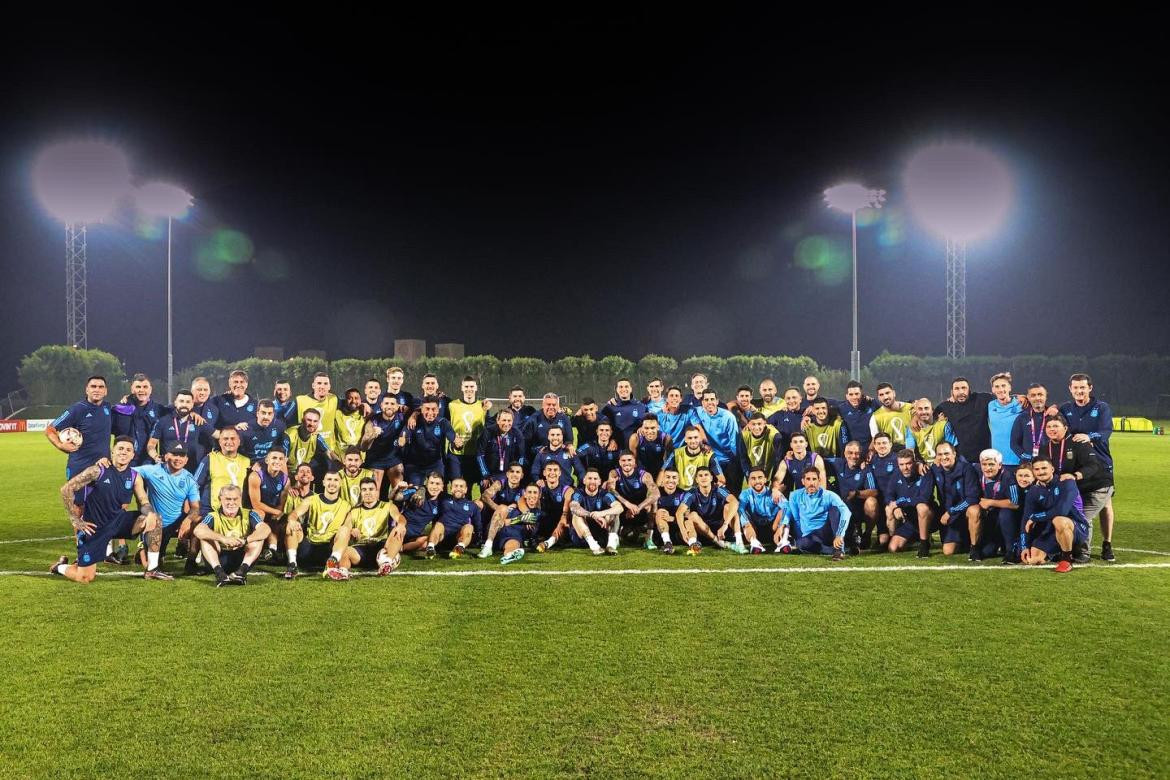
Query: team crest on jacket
(436, 430)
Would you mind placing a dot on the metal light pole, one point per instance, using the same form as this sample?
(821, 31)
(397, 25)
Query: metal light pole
(170, 330)
(851, 198)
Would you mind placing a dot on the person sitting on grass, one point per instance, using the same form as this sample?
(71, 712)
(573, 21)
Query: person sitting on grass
(759, 512)
(595, 510)
(711, 511)
(317, 532)
(456, 523)
(421, 509)
(1051, 518)
(672, 526)
(377, 532)
(231, 538)
(911, 509)
(519, 529)
(817, 517)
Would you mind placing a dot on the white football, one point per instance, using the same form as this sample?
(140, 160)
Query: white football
(70, 435)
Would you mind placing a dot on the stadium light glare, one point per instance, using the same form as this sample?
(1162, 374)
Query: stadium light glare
(80, 181)
(851, 198)
(961, 192)
(163, 199)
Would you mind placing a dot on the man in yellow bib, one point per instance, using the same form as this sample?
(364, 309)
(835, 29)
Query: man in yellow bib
(467, 418)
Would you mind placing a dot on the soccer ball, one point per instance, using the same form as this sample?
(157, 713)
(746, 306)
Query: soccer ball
(70, 435)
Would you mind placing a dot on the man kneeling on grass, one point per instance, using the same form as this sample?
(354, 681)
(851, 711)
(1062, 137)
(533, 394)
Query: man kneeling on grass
(711, 510)
(817, 517)
(595, 510)
(456, 523)
(231, 538)
(519, 527)
(1051, 519)
(376, 535)
(325, 533)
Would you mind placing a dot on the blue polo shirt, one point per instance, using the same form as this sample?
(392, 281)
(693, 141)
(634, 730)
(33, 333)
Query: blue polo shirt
(168, 491)
(93, 422)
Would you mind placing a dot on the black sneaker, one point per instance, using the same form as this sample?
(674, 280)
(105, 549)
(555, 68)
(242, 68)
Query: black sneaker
(838, 556)
(976, 555)
(1080, 554)
(1008, 560)
(668, 549)
(924, 548)
(1107, 551)
(291, 572)
(228, 581)
(237, 578)
(190, 567)
(268, 556)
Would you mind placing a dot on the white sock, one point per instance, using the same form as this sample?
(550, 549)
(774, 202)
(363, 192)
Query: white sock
(720, 543)
(151, 560)
(109, 548)
(292, 556)
(60, 568)
(738, 537)
(593, 545)
(335, 557)
(272, 546)
(550, 541)
(756, 544)
(487, 545)
(382, 557)
(693, 540)
(613, 541)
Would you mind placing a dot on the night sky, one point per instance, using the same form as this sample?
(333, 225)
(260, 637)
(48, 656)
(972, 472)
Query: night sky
(619, 185)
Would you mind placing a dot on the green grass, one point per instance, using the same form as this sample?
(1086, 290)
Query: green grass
(993, 673)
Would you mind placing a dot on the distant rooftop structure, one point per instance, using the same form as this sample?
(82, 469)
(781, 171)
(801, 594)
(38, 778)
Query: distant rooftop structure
(410, 350)
(269, 353)
(449, 350)
(312, 353)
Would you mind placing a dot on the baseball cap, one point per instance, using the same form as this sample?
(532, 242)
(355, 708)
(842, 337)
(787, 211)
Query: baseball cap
(178, 448)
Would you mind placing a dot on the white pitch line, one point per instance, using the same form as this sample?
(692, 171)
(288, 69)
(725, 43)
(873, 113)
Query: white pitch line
(43, 539)
(1148, 552)
(634, 572)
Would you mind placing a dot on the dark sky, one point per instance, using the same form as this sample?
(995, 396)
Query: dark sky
(618, 185)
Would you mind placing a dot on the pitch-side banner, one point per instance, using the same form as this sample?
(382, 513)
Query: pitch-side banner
(37, 425)
(13, 426)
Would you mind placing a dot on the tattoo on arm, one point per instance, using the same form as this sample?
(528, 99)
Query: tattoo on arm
(77, 483)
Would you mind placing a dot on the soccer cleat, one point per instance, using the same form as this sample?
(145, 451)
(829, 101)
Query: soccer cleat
(236, 577)
(268, 556)
(976, 555)
(1080, 553)
(610, 550)
(650, 544)
(227, 582)
(60, 560)
(291, 572)
(1107, 551)
(542, 547)
(598, 550)
(332, 563)
(156, 574)
(924, 548)
(456, 551)
(838, 555)
(1063, 567)
(668, 548)
(695, 549)
(430, 553)
(336, 574)
(737, 548)
(512, 557)
(484, 552)
(756, 550)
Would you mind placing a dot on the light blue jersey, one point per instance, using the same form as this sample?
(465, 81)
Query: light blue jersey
(722, 432)
(759, 507)
(1001, 418)
(168, 491)
(673, 425)
(807, 512)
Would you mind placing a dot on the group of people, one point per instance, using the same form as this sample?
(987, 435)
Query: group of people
(321, 481)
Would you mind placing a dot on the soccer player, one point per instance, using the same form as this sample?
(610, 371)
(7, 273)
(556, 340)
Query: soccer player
(999, 499)
(174, 494)
(425, 446)
(395, 377)
(178, 427)
(521, 411)
(712, 511)
(816, 517)
(892, 418)
(1076, 459)
(698, 387)
(585, 422)
(884, 466)
(231, 538)
(595, 510)
(135, 417)
(655, 399)
(266, 435)
(235, 408)
(958, 497)
(352, 475)
(1028, 428)
(308, 445)
(791, 468)
(1052, 519)
(926, 433)
(518, 526)
(554, 452)
(690, 457)
(601, 455)
(667, 517)
(285, 404)
(537, 426)
(1091, 420)
(500, 495)
(650, 445)
(858, 489)
(760, 446)
(555, 496)
(458, 516)
(323, 401)
(967, 414)
(380, 440)
(377, 535)
(856, 415)
(500, 446)
(625, 413)
(101, 513)
(910, 507)
(372, 393)
(789, 419)
(635, 490)
(468, 418)
(770, 403)
(675, 416)
(268, 492)
(823, 428)
(722, 434)
(91, 418)
(421, 509)
(226, 466)
(742, 407)
(759, 511)
(350, 421)
(1002, 412)
(203, 408)
(430, 387)
(317, 532)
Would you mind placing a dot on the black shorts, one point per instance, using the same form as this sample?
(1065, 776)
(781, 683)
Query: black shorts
(313, 553)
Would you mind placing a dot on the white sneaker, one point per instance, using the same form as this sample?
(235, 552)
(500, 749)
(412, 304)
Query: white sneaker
(484, 552)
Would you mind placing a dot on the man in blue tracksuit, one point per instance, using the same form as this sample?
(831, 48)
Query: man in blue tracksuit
(722, 434)
(999, 499)
(817, 517)
(958, 496)
(1051, 519)
(1090, 419)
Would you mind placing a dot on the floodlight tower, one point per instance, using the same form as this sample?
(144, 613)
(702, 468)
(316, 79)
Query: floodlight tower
(79, 182)
(851, 198)
(961, 192)
(161, 199)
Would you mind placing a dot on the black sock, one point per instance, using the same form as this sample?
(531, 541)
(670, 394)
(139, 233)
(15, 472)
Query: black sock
(243, 570)
(219, 574)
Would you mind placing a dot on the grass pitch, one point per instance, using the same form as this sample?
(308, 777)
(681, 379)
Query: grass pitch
(883, 666)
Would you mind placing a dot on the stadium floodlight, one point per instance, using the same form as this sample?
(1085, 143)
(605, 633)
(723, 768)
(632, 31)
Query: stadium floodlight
(851, 198)
(79, 182)
(961, 192)
(162, 199)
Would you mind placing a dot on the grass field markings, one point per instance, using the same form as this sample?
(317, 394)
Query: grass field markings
(1148, 552)
(30, 541)
(626, 572)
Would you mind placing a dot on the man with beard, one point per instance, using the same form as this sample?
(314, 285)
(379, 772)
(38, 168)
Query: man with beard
(235, 408)
(266, 436)
(1091, 420)
(958, 497)
(625, 413)
(499, 446)
(823, 429)
(856, 414)
(350, 421)
(892, 418)
(926, 433)
(136, 416)
(380, 441)
(1028, 428)
(537, 426)
(178, 427)
(1077, 460)
(789, 419)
